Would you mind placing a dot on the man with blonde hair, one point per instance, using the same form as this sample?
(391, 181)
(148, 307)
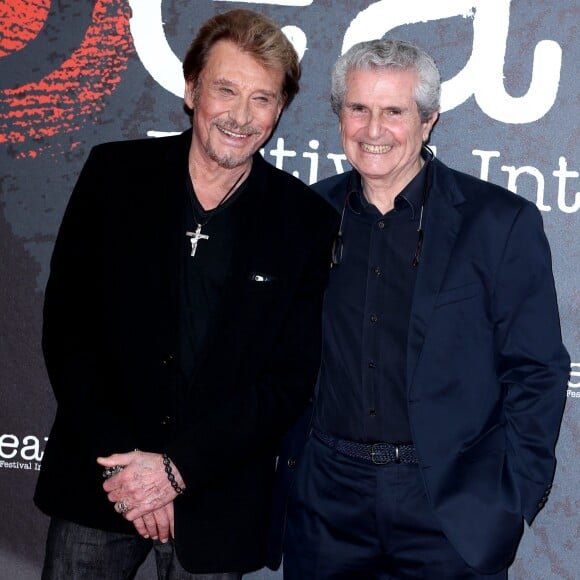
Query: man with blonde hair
(182, 327)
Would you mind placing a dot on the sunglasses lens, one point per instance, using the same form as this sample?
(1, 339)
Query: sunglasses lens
(337, 251)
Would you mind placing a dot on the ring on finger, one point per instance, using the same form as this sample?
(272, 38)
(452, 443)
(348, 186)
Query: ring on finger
(122, 507)
(110, 471)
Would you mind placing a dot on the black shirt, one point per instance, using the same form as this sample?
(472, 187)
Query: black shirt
(204, 275)
(362, 393)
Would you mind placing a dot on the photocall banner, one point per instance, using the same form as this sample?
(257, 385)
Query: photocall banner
(74, 73)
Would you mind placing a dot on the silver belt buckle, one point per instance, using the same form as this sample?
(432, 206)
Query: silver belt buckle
(397, 454)
(374, 458)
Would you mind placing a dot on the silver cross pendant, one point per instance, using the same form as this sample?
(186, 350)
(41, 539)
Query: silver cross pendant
(195, 237)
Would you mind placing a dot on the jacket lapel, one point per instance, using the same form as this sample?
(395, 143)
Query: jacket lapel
(172, 242)
(442, 224)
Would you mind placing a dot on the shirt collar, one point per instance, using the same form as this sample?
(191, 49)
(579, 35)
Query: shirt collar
(411, 196)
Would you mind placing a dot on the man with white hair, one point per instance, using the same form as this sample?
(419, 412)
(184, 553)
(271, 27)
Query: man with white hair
(443, 374)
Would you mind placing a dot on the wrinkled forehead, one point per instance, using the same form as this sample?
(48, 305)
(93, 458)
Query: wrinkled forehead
(381, 85)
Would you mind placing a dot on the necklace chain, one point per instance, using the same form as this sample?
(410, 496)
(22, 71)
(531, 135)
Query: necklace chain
(210, 213)
(196, 236)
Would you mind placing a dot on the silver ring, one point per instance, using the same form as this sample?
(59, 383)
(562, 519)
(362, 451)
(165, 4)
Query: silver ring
(122, 507)
(110, 471)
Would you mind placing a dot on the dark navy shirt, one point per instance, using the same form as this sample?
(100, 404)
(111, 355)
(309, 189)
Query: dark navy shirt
(361, 391)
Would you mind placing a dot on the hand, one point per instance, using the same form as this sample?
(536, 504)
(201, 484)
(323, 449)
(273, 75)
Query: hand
(141, 487)
(157, 525)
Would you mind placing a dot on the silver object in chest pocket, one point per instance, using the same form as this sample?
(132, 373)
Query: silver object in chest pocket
(261, 277)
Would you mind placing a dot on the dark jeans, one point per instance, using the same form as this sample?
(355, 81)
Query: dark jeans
(75, 552)
(349, 519)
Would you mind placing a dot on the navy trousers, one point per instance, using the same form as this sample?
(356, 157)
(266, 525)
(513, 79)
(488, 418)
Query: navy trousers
(349, 519)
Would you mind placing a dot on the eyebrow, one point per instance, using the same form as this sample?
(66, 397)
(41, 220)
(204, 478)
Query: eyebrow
(223, 82)
(350, 104)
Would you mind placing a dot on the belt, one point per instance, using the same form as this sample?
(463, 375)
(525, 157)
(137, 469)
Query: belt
(378, 453)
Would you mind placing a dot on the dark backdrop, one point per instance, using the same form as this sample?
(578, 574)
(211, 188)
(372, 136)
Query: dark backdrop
(74, 73)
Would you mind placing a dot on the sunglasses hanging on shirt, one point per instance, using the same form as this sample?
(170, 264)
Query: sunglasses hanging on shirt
(338, 244)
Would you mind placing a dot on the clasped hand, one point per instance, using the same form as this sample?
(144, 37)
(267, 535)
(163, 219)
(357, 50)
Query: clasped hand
(141, 492)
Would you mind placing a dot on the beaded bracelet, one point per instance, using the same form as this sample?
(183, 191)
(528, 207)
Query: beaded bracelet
(170, 476)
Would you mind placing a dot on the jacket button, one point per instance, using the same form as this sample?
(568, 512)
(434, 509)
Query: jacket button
(291, 463)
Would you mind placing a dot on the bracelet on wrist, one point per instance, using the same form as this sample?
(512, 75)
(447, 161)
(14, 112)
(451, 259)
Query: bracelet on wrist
(170, 475)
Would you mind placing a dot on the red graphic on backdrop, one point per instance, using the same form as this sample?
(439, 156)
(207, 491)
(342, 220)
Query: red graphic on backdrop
(72, 95)
(20, 22)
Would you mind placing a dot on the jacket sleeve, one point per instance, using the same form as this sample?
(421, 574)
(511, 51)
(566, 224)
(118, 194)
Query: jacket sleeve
(72, 336)
(533, 364)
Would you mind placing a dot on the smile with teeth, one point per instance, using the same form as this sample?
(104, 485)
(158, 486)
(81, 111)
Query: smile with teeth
(232, 134)
(375, 148)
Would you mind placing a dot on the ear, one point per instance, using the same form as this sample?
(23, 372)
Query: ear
(281, 105)
(428, 126)
(188, 97)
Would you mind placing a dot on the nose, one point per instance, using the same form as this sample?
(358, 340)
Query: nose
(240, 112)
(374, 126)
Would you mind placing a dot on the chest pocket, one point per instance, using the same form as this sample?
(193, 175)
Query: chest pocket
(457, 294)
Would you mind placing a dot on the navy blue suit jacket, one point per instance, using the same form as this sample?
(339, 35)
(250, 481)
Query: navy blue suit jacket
(486, 367)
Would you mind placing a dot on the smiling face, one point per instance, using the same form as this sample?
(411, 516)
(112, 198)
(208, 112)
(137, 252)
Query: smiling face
(380, 127)
(236, 103)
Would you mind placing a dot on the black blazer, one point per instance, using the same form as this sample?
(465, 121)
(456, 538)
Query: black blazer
(110, 342)
(486, 367)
